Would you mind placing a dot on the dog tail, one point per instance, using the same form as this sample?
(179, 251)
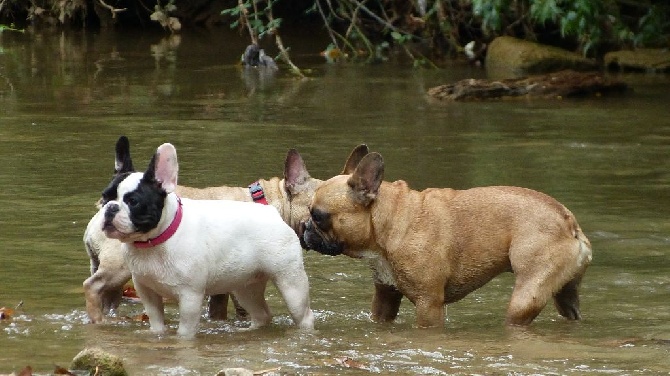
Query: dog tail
(566, 299)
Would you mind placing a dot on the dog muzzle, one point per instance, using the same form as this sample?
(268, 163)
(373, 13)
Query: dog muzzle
(314, 239)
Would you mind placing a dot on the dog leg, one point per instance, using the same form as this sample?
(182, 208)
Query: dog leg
(385, 303)
(528, 300)
(93, 294)
(190, 305)
(534, 286)
(252, 299)
(218, 307)
(103, 291)
(240, 313)
(111, 299)
(567, 300)
(295, 291)
(153, 307)
(430, 312)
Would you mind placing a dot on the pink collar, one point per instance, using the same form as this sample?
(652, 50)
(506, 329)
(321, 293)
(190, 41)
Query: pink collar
(167, 234)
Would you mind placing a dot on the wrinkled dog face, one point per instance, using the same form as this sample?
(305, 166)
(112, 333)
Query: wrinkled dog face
(339, 221)
(134, 205)
(317, 234)
(340, 214)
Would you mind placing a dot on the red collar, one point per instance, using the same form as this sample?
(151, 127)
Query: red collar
(167, 234)
(257, 193)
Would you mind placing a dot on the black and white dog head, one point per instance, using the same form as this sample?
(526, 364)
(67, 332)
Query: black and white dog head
(133, 201)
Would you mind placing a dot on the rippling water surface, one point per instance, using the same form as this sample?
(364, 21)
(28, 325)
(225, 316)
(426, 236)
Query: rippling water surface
(65, 99)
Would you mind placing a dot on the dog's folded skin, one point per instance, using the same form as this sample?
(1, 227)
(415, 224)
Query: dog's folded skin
(438, 245)
(219, 247)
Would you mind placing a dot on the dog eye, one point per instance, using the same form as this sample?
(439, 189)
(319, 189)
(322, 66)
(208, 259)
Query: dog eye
(132, 201)
(320, 218)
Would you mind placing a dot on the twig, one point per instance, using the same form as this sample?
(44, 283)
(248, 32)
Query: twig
(332, 11)
(112, 9)
(377, 18)
(326, 23)
(244, 14)
(287, 59)
(352, 20)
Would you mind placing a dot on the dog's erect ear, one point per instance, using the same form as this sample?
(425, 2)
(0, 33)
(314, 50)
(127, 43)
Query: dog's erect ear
(367, 178)
(164, 168)
(354, 159)
(295, 172)
(123, 163)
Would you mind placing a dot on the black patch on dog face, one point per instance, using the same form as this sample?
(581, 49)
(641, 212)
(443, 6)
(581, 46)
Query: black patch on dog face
(146, 205)
(110, 192)
(321, 219)
(314, 239)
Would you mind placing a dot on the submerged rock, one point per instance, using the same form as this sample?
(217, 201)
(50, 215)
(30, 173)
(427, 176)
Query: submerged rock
(511, 57)
(644, 60)
(561, 84)
(98, 362)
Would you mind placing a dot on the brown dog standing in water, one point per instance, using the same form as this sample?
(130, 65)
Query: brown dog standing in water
(438, 245)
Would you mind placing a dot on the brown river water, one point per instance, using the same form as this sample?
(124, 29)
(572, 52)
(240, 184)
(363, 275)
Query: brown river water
(66, 98)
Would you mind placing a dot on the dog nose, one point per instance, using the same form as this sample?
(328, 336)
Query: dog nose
(110, 212)
(302, 229)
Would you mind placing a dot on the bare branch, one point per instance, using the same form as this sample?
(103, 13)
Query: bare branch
(112, 9)
(244, 14)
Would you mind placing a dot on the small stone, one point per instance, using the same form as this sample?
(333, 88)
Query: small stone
(99, 362)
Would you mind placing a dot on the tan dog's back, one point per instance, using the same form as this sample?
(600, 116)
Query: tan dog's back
(214, 193)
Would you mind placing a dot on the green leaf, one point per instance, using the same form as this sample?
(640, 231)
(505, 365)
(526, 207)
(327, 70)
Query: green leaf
(544, 10)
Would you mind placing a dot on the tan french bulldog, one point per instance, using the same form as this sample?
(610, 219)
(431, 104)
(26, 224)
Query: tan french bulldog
(290, 195)
(438, 245)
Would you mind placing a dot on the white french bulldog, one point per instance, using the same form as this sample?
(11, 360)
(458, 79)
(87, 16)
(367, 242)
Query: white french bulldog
(185, 249)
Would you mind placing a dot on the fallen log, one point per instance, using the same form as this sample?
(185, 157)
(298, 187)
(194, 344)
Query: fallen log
(563, 84)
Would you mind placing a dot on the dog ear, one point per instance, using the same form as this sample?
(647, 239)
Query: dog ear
(123, 163)
(367, 178)
(295, 172)
(164, 168)
(354, 159)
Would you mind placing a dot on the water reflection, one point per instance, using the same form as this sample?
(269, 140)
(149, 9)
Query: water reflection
(66, 97)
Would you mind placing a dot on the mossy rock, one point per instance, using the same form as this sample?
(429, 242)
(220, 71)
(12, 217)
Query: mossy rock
(98, 362)
(509, 57)
(640, 60)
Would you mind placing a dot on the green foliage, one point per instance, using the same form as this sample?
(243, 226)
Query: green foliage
(11, 27)
(491, 13)
(255, 15)
(592, 23)
(544, 10)
(653, 27)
